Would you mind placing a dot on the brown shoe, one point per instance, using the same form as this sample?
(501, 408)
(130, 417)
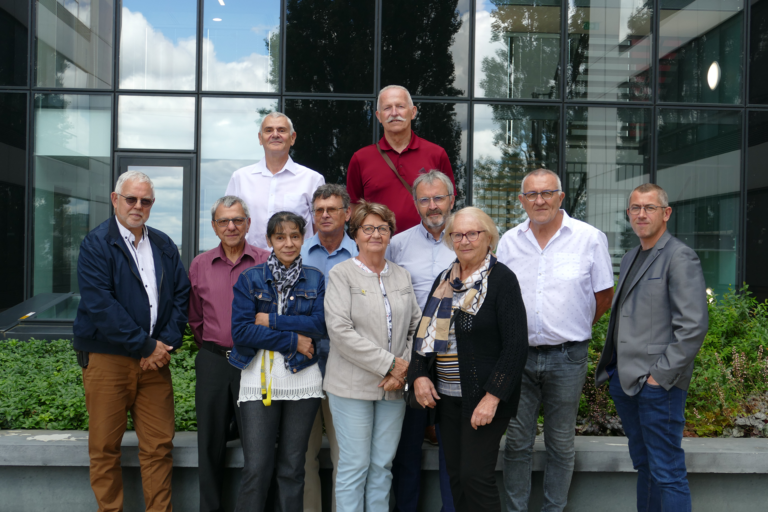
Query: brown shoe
(430, 436)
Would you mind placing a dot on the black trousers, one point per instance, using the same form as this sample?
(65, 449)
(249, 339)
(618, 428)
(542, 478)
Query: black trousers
(216, 392)
(470, 456)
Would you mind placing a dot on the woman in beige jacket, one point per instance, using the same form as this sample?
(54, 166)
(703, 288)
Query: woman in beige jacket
(371, 314)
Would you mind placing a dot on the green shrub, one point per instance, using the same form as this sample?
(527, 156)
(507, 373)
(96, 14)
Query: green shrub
(41, 386)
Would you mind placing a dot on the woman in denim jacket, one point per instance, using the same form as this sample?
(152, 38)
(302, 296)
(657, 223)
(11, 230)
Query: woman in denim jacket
(281, 385)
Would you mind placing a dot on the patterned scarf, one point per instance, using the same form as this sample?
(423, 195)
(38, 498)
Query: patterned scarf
(284, 279)
(432, 335)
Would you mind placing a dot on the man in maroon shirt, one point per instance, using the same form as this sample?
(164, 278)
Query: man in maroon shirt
(370, 177)
(213, 274)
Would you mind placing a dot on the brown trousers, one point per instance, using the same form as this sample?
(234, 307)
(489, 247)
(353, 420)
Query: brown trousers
(115, 385)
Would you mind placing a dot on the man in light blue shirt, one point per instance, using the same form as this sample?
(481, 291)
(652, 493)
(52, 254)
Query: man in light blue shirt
(421, 251)
(328, 247)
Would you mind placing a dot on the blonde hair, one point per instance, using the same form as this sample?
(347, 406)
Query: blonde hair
(481, 217)
(364, 209)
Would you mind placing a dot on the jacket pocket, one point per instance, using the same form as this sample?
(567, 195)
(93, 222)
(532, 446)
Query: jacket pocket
(657, 348)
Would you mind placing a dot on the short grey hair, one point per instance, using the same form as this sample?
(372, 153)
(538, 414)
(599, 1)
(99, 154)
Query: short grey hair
(482, 218)
(331, 189)
(541, 172)
(429, 178)
(277, 115)
(390, 87)
(229, 202)
(651, 187)
(136, 176)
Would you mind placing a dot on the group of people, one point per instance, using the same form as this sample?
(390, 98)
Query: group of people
(324, 306)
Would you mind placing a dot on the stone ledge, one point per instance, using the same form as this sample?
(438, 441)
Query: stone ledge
(593, 454)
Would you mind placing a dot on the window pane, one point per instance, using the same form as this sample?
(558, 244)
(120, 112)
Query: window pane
(447, 125)
(229, 141)
(700, 51)
(509, 141)
(166, 213)
(756, 237)
(698, 166)
(156, 122)
(758, 52)
(607, 154)
(436, 65)
(158, 48)
(517, 49)
(14, 23)
(609, 50)
(329, 132)
(329, 46)
(241, 45)
(72, 182)
(13, 179)
(74, 43)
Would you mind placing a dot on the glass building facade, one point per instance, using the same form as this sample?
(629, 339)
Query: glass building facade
(608, 93)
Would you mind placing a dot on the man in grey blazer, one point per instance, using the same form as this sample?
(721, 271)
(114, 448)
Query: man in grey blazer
(658, 323)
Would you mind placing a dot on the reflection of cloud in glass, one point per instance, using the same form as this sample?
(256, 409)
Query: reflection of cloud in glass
(150, 58)
(169, 197)
(156, 122)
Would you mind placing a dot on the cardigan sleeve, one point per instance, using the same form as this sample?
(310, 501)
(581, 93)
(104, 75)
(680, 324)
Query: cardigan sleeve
(513, 328)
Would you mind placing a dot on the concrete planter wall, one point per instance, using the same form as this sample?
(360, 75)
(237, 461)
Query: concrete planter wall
(44, 471)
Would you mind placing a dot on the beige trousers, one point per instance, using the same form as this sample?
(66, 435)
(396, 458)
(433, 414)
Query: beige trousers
(312, 490)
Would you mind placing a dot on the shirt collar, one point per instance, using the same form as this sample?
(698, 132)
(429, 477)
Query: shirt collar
(426, 234)
(261, 168)
(346, 243)
(126, 234)
(413, 144)
(248, 249)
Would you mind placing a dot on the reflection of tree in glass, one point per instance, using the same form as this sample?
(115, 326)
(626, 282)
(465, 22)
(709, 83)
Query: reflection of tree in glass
(328, 133)
(330, 46)
(416, 46)
(523, 69)
(526, 143)
(272, 42)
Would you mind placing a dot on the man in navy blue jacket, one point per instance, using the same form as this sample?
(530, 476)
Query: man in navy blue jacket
(132, 314)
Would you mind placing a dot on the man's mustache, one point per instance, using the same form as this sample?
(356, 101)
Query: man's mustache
(396, 118)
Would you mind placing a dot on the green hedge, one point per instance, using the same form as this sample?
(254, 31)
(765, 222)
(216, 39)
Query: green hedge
(41, 383)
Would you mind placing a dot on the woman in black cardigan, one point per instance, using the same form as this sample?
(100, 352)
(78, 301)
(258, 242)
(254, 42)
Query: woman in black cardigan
(469, 355)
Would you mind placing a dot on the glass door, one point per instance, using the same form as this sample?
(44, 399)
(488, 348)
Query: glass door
(175, 203)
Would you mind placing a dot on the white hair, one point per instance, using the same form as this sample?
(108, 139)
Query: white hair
(228, 202)
(389, 87)
(541, 172)
(277, 115)
(136, 176)
(429, 178)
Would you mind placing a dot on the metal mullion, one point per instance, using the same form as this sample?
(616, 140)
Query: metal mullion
(563, 49)
(199, 46)
(249, 94)
(28, 199)
(745, 18)
(377, 36)
(433, 99)
(117, 26)
(31, 53)
(655, 52)
(326, 95)
(281, 89)
(741, 246)
(469, 189)
(561, 146)
(138, 151)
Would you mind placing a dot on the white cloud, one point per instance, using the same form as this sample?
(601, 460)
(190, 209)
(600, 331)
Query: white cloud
(150, 60)
(156, 122)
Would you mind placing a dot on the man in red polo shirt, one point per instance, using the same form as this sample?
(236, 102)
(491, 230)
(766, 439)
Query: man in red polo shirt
(370, 177)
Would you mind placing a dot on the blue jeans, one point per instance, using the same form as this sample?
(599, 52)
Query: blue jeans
(653, 421)
(367, 432)
(293, 419)
(554, 377)
(406, 468)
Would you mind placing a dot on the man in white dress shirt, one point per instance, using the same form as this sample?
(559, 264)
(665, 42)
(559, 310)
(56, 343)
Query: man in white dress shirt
(566, 279)
(420, 250)
(276, 183)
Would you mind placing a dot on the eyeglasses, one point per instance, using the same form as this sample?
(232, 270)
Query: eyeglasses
(545, 195)
(131, 201)
(383, 229)
(650, 209)
(319, 212)
(471, 236)
(424, 201)
(237, 221)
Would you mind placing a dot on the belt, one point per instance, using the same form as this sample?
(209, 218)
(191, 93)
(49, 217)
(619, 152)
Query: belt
(561, 346)
(216, 349)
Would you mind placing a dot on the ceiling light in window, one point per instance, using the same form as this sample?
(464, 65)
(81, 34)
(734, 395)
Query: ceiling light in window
(713, 75)
(216, 19)
(221, 2)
